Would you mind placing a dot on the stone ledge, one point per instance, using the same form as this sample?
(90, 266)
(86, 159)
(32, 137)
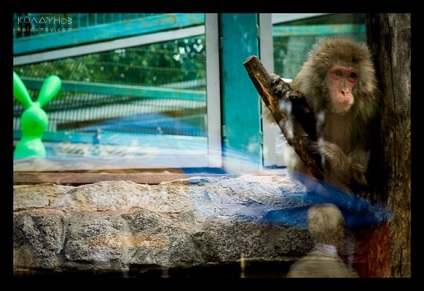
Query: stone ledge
(197, 221)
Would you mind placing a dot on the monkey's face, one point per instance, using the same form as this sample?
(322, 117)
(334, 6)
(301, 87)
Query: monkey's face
(341, 81)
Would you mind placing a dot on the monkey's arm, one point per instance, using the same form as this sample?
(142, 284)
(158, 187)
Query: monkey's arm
(350, 170)
(294, 105)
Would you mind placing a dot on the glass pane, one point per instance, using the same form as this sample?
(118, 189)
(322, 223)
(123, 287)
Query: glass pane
(135, 102)
(294, 39)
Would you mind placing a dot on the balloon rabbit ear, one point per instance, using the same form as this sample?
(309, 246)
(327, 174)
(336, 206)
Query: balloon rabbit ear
(50, 88)
(20, 91)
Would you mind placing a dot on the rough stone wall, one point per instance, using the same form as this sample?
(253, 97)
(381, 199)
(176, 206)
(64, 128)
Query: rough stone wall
(121, 226)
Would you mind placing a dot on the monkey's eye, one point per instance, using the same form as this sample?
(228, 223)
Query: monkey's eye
(338, 73)
(353, 76)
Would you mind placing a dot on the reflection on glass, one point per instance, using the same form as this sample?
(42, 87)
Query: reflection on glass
(327, 228)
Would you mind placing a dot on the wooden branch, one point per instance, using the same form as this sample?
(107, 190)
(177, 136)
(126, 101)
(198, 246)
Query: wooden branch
(294, 132)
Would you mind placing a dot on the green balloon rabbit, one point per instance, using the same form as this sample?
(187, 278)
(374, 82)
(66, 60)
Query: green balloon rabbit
(34, 119)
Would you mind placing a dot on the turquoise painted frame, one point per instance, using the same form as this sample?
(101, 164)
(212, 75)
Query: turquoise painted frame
(241, 117)
(79, 36)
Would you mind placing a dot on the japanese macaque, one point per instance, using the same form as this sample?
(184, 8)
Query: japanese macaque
(337, 108)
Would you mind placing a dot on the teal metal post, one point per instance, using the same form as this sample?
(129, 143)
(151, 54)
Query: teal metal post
(242, 148)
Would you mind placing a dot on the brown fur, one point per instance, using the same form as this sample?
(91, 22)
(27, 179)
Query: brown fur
(346, 136)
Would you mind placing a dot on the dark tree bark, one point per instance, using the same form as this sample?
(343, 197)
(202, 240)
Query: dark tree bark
(389, 38)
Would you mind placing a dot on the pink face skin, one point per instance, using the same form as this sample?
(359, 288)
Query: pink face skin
(342, 79)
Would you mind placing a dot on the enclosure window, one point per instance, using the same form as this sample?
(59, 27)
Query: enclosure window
(129, 101)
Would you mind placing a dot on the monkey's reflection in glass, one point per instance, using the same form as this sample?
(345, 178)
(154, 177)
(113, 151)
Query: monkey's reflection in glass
(326, 226)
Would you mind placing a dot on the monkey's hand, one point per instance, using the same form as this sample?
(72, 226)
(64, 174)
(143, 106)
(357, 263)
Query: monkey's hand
(283, 90)
(348, 170)
(293, 103)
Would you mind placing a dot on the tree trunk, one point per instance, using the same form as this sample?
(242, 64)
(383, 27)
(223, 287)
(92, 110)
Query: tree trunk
(389, 38)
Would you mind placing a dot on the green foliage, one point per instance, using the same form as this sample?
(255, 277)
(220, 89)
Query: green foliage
(153, 65)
